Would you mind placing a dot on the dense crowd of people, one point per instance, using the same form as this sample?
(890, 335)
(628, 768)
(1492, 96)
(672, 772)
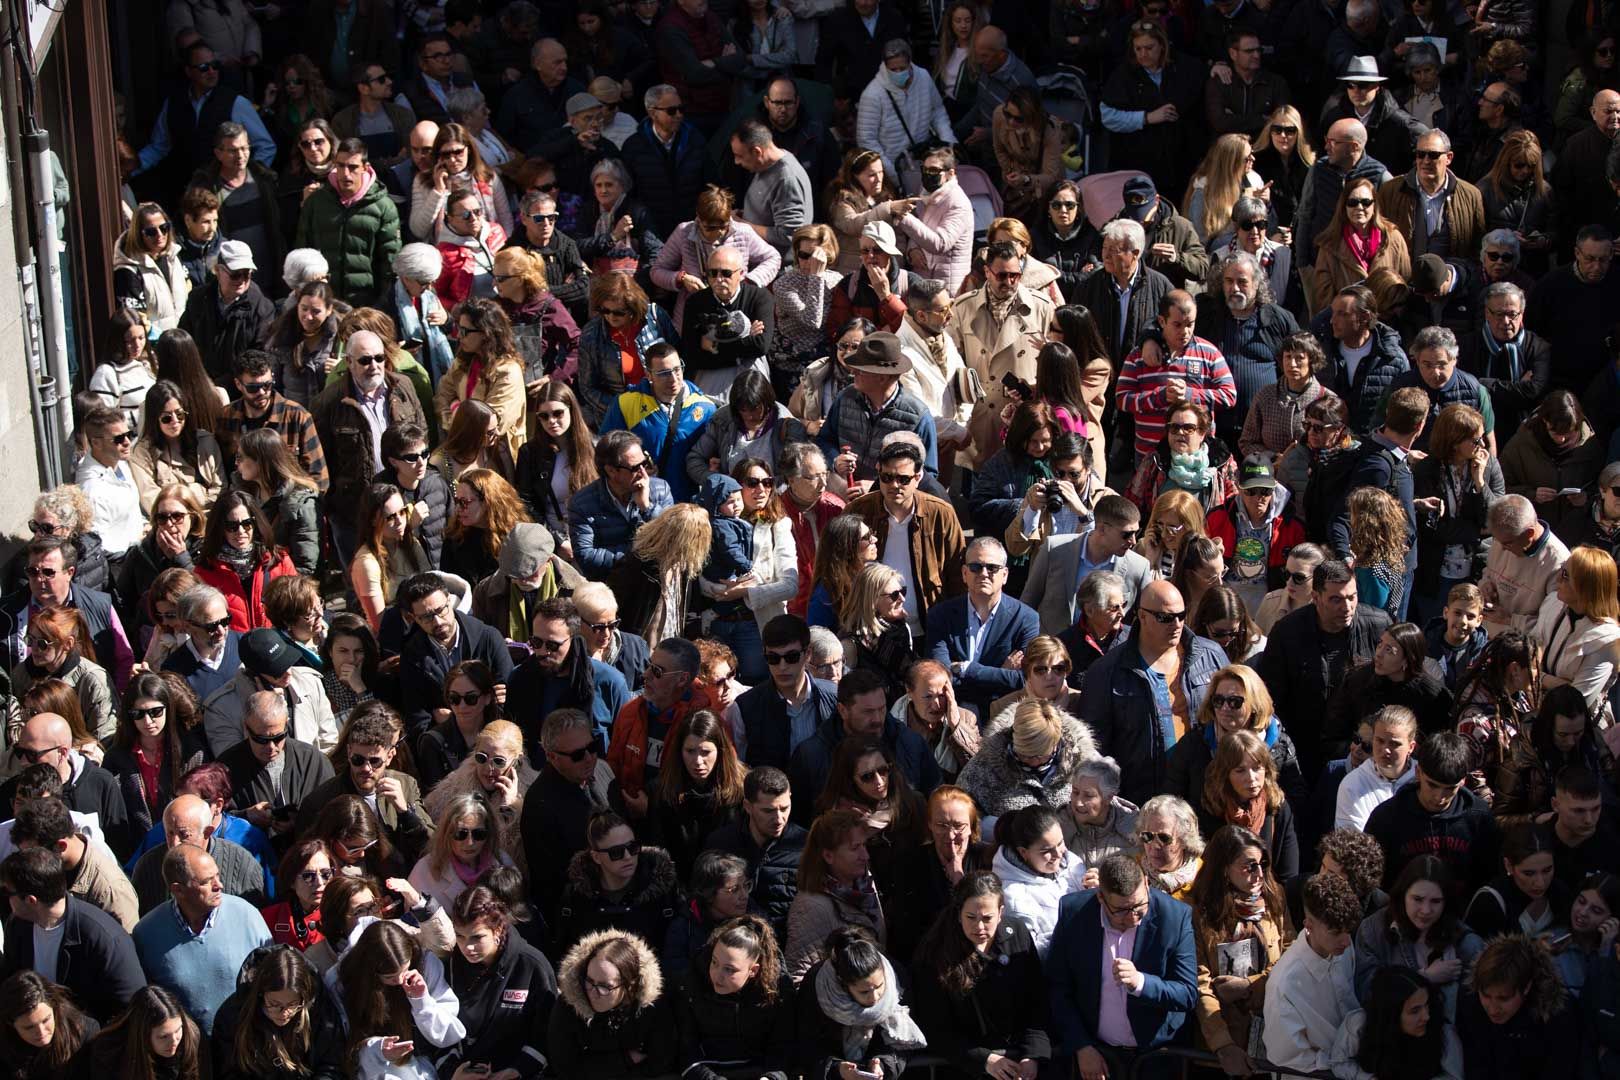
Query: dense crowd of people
(1112, 506)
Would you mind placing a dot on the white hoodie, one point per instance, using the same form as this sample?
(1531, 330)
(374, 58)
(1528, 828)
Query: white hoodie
(1034, 897)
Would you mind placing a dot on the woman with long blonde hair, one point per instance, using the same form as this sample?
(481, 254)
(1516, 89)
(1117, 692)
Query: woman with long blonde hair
(1378, 540)
(876, 635)
(1516, 193)
(466, 843)
(956, 73)
(1176, 515)
(672, 549)
(1579, 626)
(1225, 174)
(485, 507)
(1282, 157)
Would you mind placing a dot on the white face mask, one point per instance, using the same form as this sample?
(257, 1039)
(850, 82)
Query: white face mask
(901, 78)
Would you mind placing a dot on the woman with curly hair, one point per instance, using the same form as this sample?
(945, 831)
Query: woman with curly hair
(735, 1004)
(1496, 701)
(1240, 788)
(393, 991)
(1421, 928)
(486, 507)
(488, 368)
(1398, 1034)
(1515, 1018)
(157, 742)
(42, 1032)
(153, 1038)
(1240, 928)
(613, 344)
(698, 792)
(1171, 846)
(1378, 533)
(65, 513)
(278, 1023)
(979, 986)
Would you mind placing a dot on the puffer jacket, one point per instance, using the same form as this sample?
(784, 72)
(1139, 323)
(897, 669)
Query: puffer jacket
(1094, 843)
(1073, 257)
(1117, 705)
(588, 1045)
(1033, 898)
(645, 908)
(601, 380)
(1375, 375)
(718, 439)
(887, 113)
(668, 183)
(292, 512)
(157, 286)
(731, 1029)
(301, 373)
(359, 240)
(999, 784)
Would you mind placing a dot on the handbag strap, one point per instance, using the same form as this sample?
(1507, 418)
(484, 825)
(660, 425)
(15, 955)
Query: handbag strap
(911, 140)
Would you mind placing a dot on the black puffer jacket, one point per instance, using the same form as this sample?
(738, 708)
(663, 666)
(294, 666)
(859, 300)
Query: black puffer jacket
(773, 870)
(505, 1008)
(587, 1045)
(222, 336)
(435, 491)
(1074, 257)
(741, 1028)
(645, 909)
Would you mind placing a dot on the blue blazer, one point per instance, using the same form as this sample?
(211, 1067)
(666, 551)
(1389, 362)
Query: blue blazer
(1013, 626)
(1164, 953)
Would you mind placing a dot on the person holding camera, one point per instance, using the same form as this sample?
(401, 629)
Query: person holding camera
(728, 326)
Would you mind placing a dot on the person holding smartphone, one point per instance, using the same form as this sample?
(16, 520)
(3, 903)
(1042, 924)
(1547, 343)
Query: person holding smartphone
(387, 983)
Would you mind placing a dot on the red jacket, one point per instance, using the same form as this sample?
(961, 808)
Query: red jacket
(465, 257)
(627, 753)
(279, 918)
(808, 524)
(1286, 531)
(247, 612)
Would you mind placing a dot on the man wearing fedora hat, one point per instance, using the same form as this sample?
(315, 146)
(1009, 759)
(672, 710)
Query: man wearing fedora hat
(270, 662)
(1391, 131)
(875, 405)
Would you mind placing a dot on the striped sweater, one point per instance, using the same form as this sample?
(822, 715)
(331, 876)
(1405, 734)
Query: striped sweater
(1141, 389)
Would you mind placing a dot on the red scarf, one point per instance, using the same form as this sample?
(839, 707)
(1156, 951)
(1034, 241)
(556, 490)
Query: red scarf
(1251, 815)
(1363, 249)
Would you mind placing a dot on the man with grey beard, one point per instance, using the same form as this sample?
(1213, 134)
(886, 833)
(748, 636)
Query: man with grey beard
(350, 418)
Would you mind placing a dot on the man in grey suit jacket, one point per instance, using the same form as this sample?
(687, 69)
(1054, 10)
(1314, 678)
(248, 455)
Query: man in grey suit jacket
(1064, 561)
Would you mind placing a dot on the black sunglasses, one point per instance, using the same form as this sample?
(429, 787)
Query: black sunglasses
(792, 656)
(1166, 618)
(590, 749)
(619, 851)
(268, 740)
(454, 698)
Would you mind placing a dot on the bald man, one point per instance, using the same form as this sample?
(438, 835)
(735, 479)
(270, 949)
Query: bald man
(366, 399)
(1344, 157)
(189, 819)
(87, 788)
(1142, 696)
(1579, 181)
(194, 943)
(418, 161)
(536, 104)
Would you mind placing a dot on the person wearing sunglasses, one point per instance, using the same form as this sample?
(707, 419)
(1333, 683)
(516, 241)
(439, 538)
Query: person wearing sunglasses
(239, 556)
(982, 634)
(368, 800)
(560, 672)
(57, 651)
(1034, 740)
(497, 770)
(1359, 239)
(230, 313)
(152, 749)
(180, 144)
(148, 275)
(572, 784)
(466, 842)
(617, 883)
(270, 773)
(467, 243)
(105, 477)
(469, 688)
(566, 275)
(374, 116)
(448, 637)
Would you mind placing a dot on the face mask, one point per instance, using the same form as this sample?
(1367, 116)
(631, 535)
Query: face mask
(933, 181)
(900, 78)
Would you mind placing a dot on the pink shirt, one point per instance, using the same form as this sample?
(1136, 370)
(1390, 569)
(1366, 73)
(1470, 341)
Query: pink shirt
(1113, 1024)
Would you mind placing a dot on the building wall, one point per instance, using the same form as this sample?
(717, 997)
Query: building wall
(19, 457)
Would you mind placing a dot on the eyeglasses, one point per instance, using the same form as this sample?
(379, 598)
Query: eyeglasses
(477, 835)
(541, 219)
(469, 214)
(269, 740)
(1166, 618)
(491, 759)
(621, 851)
(1360, 743)
(256, 388)
(901, 479)
(358, 847)
(206, 66)
(985, 568)
(1256, 866)
(758, 481)
(551, 414)
(1258, 225)
(659, 672)
(361, 761)
(413, 457)
(1486, 99)
(1284, 129)
(462, 502)
(316, 877)
(590, 749)
(123, 438)
(470, 698)
(1314, 427)
(380, 77)
(1041, 671)
(1228, 701)
(39, 528)
(604, 627)
(152, 232)
(1495, 314)
(238, 276)
(153, 713)
(594, 987)
(1128, 909)
(879, 773)
(463, 329)
(312, 142)
(1005, 276)
(668, 373)
(217, 624)
(1163, 839)
(539, 644)
(803, 254)
(613, 313)
(34, 641)
(1359, 204)
(1181, 429)
(791, 657)
(34, 757)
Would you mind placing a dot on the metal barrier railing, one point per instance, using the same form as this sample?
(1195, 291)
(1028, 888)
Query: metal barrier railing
(1204, 1057)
